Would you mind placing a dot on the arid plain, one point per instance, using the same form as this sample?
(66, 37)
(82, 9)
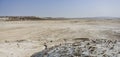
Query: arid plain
(24, 38)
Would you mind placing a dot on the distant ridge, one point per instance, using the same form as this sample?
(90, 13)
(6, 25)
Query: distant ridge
(23, 18)
(18, 18)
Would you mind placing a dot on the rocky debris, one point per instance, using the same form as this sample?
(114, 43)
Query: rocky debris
(91, 48)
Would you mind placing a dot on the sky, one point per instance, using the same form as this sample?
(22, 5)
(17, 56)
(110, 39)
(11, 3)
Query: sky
(60, 8)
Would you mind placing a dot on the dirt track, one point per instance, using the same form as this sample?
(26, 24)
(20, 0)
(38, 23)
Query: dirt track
(23, 38)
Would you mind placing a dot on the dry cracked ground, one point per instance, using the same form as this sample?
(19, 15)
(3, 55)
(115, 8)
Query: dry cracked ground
(24, 38)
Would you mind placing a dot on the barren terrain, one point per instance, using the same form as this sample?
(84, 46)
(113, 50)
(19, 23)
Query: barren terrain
(24, 38)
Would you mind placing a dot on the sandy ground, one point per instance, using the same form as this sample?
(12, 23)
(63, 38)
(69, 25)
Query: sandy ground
(24, 38)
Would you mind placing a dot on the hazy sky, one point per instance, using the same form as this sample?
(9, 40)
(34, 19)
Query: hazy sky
(60, 8)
